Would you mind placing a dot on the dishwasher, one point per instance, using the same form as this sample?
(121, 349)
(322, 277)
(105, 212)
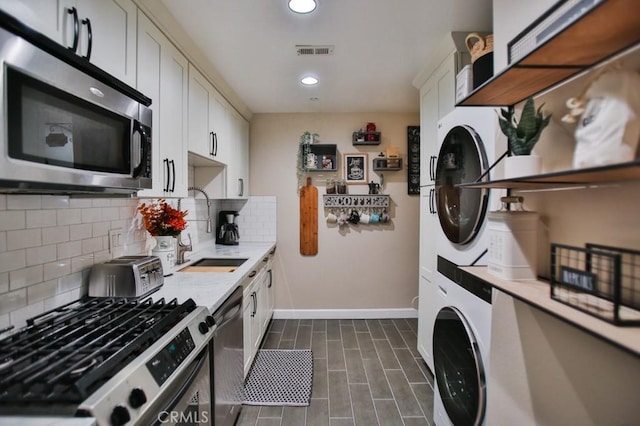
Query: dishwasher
(228, 360)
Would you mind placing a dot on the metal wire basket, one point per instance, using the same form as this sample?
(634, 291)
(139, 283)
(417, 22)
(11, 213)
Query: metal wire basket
(602, 281)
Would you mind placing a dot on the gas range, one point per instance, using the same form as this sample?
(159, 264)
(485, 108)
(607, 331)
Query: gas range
(113, 359)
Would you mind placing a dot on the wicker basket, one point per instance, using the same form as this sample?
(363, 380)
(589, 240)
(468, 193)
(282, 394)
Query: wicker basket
(479, 46)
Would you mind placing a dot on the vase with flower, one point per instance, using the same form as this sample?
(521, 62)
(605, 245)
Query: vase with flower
(164, 223)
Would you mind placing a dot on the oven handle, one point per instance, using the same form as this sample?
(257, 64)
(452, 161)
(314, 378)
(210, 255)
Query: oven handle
(186, 385)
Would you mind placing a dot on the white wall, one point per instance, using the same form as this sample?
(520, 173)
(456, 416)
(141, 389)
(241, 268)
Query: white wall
(363, 266)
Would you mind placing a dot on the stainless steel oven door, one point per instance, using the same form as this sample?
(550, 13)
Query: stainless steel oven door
(188, 399)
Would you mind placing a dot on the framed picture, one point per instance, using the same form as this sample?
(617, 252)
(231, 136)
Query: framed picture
(354, 168)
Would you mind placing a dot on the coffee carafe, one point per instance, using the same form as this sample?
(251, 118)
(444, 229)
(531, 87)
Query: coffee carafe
(228, 233)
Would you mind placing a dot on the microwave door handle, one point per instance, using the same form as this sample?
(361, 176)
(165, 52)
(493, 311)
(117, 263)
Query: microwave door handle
(76, 28)
(142, 149)
(87, 22)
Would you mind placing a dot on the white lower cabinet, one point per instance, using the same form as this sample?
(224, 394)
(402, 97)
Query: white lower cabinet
(257, 310)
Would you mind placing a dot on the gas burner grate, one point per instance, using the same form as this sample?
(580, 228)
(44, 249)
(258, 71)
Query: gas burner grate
(64, 355)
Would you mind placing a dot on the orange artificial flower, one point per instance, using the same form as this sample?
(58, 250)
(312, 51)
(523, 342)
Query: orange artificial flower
(160, 219)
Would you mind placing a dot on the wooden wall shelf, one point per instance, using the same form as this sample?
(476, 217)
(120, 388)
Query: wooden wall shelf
(538, 294)
(580, 177)
(387, 164)
(366, 138)
(611, 27)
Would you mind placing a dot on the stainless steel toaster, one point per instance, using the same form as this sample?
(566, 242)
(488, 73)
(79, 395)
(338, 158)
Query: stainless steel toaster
(127, 276)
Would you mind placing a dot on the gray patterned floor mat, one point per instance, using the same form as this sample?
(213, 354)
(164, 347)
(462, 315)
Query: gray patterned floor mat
(280, 377)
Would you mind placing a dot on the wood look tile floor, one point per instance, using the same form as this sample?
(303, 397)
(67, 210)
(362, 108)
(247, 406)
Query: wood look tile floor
(366, 372)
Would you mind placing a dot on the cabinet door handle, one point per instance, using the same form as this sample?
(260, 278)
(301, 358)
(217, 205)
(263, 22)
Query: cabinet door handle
(173, 175)
(211, 145)
(215, 144)
(241, 191)
(253, 274)
(270, 278)
(87, 22)
(166, 175)
(76, 28)
(255, 304)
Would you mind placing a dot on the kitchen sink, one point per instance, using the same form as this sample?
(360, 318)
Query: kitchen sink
(214, 264)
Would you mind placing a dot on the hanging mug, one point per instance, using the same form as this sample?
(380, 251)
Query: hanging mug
(375, 218)
(354, 217)
(332, 218)
(365, 218)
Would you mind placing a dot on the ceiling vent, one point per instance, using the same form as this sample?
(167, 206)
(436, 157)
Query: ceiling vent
(305, 50)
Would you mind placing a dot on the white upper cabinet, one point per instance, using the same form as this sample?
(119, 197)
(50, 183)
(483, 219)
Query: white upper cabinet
(201, 134)
(221, 128)
(163, 76)
(238, 165)
(113, 24)
(104, 31)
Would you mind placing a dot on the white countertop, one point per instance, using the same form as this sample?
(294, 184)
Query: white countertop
(210, 289)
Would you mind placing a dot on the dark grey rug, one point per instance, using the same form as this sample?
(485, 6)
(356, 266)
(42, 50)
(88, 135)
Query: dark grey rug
(280, 377)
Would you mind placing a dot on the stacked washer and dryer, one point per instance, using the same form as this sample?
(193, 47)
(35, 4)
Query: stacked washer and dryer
(459, 316)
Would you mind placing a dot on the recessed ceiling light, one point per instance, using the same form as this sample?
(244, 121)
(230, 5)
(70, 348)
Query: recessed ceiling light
(302, 6)
(309, 81)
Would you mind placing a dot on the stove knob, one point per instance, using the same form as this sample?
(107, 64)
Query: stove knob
(210, 321)
(203, 327)
(120, 415)
(137, 398)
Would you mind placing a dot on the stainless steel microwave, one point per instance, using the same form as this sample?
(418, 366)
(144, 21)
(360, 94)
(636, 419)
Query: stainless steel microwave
(67, 126)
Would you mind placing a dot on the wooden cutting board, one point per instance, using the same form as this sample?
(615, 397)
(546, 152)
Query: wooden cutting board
(308, 219)
(209, 269)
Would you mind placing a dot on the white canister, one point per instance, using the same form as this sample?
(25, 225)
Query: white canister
(513, 242)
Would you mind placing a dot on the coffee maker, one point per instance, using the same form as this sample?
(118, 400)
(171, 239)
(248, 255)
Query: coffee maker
(228, 233)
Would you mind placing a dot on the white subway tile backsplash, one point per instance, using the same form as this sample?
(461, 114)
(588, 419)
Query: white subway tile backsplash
(81, 262)
(92, 245)
(39, 255)
(70, 282)
(55, 202)
(54, 235)
(69, 249)
(69, 216)
(11, 220)
(13, 300)
(80, 232)
(42, 291)
(60, 238)
(41, 218)
(25, 277)
(12, 260)
(5, 321)
(24, 202)
(4, 282)
(80, 203)
(100, 229)
(25, 238)
(93, 214)
(56, 269)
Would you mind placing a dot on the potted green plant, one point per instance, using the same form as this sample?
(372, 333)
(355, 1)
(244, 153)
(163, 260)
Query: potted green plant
(522, 135)
(306, 139)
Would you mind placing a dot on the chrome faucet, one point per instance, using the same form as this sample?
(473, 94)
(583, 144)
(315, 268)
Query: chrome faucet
(206, 196)
(182, 249)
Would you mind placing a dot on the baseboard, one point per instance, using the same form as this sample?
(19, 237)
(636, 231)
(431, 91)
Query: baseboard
(345, 313)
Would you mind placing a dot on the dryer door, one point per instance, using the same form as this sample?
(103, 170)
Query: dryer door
(462, 159)
(459, 370)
